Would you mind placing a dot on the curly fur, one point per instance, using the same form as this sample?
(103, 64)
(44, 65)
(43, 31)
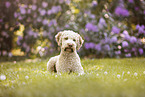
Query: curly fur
(68, 60)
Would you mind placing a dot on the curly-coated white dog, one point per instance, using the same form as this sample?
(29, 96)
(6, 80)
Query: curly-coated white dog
(68, 60)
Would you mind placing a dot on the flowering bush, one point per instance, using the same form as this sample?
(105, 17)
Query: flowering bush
(42, 20)
(110, 28)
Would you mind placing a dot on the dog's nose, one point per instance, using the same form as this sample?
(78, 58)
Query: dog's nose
(70, 45)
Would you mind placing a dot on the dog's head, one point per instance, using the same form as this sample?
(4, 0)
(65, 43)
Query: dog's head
(69, 40)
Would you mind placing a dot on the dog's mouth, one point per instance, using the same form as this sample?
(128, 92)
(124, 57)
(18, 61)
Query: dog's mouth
(68, 49)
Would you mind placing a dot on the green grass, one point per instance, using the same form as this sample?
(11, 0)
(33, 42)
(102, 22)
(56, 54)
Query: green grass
(102, 78)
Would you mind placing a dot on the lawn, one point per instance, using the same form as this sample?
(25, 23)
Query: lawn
(102, 78)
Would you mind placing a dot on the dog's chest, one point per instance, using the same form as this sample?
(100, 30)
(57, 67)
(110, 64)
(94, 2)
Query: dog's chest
(69, 62)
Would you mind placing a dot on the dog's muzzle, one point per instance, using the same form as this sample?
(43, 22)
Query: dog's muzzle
(68, 49)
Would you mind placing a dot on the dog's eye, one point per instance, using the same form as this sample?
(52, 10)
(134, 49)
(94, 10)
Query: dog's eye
(66, 38)
(74, 40)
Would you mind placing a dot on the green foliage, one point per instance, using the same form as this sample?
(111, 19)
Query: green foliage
(102, 78)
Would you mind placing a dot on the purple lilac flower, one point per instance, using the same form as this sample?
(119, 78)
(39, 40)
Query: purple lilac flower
(67, 26)
(39, 19)
(92, 16)
(125, 32)
(115, 30)
(29, 11)
(42, 12)
(19, 39)
(44, 4)
(102, 23)
(133, 49)
(114, 39)
(128, 55)
(22, 10)
(120, 11)
(140, 28)
(133, 39)
(7, 4)
(45, 22)
(24, 45)
(1, 20)
(117, 52)
(87, 38)
(98, 47)
(144, 12)
(89, 45)
(34, 7)
(27, 49)
(52, 22)
(126, 50)
(61, 1)
(124, 44)
(5, 34)
(91, 27)
(131, 1)
(94, 3)
(49, 12)
(140, 51)
(127, 37)
(54, 9)
(67, 1)
(107, 47)
(136, 8)
(137, 26)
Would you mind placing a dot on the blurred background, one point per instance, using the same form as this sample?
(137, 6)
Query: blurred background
(110, 28)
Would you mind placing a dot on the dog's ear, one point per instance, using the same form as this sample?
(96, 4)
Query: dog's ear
(58, 38)
(80, 42)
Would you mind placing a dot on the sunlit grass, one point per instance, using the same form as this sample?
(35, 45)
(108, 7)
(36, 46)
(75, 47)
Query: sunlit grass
(102, 78)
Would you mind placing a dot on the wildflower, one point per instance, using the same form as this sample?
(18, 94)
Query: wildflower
(2, 77)
(135, 74)
(105, 72)
(118, 76)
(128, 72)
(26, 77)
(15, 62)
(125, 79)
(144, 72)
(97, 74)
